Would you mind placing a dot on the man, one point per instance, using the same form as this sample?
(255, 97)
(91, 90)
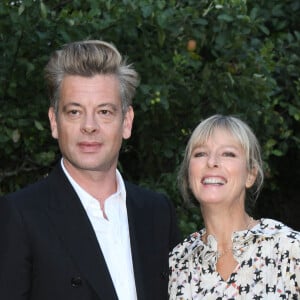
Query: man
(82, 232)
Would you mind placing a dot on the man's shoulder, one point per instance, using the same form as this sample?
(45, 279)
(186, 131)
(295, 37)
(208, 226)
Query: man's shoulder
(147, 196)
(134, 189)
(33, 191)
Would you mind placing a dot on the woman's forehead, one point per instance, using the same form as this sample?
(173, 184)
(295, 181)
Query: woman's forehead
(202, 138)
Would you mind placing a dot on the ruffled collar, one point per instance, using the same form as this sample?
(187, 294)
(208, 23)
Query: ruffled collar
(208, 252)
(241, 240)
(193, 246)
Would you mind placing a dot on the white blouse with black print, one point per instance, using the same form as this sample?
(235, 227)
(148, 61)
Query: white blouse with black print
(268, 257)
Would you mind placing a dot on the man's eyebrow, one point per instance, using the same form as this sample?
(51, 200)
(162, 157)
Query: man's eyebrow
(71, 104)
(102, 105)
(113, 106)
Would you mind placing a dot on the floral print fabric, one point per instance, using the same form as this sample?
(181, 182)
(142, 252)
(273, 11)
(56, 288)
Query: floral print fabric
(268, 257)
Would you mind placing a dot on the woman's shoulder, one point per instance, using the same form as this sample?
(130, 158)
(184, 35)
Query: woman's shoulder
(274, 227)
(277, 230)
(187, 247)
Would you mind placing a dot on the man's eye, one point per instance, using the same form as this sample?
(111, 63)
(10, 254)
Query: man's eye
(73, 112)
(105, 112)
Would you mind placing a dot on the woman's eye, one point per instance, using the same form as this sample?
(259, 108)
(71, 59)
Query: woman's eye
(229, 154)
(199, 154)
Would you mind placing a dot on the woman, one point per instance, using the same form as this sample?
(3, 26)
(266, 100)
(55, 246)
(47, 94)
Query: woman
(234, 256)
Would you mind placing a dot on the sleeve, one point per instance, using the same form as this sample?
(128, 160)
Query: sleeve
(178, 276)
(172, 288)
(15, 258)
(181, 268)
(293, 270)
(175, 235)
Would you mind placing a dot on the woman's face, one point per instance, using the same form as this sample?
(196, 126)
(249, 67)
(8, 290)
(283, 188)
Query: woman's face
(218, 170)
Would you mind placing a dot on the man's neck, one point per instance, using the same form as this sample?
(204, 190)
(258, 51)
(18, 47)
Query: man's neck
(99, 184)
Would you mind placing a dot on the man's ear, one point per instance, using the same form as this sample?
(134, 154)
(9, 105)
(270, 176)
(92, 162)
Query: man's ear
(128, 122)
(53, 123)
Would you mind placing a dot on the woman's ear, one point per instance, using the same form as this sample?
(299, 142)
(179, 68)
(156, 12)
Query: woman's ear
(251, 178)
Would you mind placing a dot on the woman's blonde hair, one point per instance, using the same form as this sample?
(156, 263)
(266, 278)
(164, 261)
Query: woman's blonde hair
(245, 136)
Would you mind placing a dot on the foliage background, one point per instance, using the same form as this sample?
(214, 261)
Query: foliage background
(246, 63)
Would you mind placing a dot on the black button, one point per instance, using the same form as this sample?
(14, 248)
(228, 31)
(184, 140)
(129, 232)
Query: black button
(76, 282)
(164, 275)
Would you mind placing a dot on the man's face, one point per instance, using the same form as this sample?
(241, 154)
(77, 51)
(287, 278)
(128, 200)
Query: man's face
(89, 124)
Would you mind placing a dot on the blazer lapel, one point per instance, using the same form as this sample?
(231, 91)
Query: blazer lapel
(140, 242)
(76, 233)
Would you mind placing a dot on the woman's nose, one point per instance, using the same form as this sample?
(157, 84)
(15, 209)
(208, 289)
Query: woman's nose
(213, 161)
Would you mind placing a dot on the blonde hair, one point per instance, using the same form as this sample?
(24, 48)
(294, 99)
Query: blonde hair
(242, 132)
(89, 58)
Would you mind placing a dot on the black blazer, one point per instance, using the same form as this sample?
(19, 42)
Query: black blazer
(49, 251)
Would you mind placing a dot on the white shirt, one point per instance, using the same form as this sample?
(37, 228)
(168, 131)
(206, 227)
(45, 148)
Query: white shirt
(112, 235)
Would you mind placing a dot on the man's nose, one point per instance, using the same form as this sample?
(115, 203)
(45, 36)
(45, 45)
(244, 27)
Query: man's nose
(89, 124)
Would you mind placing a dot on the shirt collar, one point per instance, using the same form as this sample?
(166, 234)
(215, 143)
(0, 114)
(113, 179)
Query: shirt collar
(84, 194)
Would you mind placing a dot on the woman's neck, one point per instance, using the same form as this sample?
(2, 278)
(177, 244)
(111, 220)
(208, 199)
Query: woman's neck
(222, 227)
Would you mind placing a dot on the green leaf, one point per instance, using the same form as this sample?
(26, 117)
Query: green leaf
(16, 135)
(38, 125)
(44, 10)
(225, 17)
(21, 9)
(264, 29)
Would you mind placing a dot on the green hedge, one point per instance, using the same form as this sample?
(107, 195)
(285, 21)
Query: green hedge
(246, 62)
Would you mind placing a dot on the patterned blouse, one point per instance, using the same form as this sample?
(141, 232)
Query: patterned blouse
(268, 257)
